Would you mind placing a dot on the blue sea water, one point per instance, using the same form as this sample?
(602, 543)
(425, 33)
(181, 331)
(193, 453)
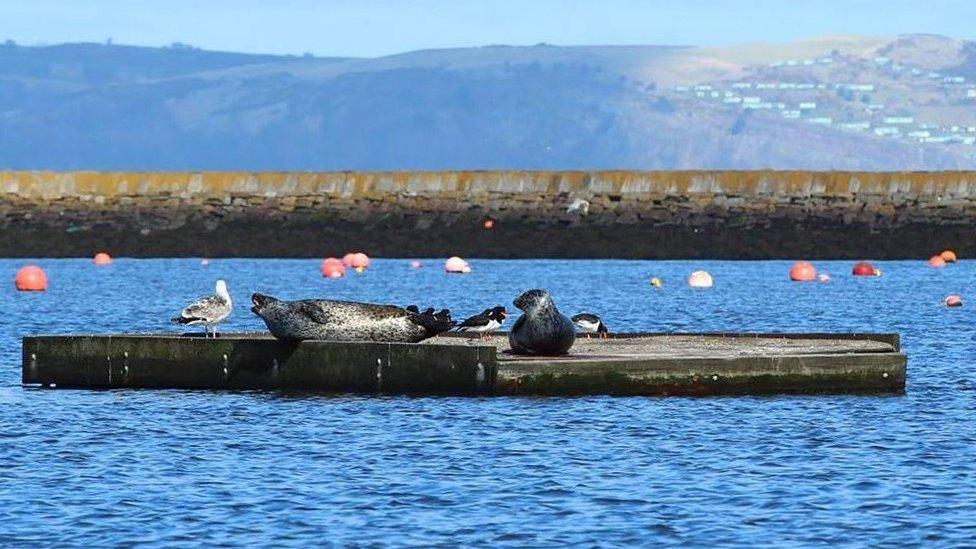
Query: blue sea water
(170, 468)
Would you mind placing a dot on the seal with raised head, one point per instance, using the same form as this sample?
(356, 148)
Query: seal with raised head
(347, 320)
(542, 329)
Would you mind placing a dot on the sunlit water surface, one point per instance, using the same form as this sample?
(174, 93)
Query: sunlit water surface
(199, 467)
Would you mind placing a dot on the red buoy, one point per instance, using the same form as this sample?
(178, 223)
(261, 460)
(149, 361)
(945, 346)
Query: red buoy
(864, 268)
(803, 271)
(31, 278)
(952, 300)
(102, 258)
(333, 268)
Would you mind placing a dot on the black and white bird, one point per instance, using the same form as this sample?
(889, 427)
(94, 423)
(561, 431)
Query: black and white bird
(485, 322)
(589, 323)
(444, 315)
(210, 310)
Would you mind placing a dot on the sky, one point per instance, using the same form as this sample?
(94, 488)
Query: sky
(372, 28)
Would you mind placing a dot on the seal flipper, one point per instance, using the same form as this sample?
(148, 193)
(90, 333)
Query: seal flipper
(315, 314)
(513, 341)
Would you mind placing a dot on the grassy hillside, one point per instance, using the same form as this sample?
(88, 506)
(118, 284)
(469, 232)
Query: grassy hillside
(95, 106)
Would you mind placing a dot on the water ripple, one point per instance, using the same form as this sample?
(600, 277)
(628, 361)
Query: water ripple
(255, 468)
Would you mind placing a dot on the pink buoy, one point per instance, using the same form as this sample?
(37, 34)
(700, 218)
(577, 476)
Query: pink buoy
(102, 258)
(952, 300)
(333, 268)
(457, 265)
(347, 259)
(700, 279)
(360, 260)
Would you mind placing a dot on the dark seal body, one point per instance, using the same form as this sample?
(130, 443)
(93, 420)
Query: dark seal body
(333, 320)
(542, 329)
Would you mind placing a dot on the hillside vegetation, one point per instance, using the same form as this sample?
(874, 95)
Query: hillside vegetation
(95, 106)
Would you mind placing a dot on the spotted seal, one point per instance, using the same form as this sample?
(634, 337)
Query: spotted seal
(347, 320)
(542, 329)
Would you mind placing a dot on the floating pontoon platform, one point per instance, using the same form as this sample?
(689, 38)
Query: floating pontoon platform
(625, 364)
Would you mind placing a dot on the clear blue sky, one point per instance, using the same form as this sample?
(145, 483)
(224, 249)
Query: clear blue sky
(379, 27)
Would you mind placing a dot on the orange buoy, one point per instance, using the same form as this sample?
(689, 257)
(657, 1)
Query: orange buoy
(31, 278)
(700, 279)
(937, 261)
(948, 256)
(360, 260)
(489, 223)
(457, 265)
(803, 271)
(952, 300)
(333, 268)
(102, 258)
(347, 259)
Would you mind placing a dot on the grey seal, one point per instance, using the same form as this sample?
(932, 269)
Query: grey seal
(347, 320)
(542, 329)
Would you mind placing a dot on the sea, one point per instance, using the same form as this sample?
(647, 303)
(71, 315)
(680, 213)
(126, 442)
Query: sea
(190, 468)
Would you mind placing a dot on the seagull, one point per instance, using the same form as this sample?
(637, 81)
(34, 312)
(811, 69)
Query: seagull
(209, 311)
(484, 323)
(590, 323)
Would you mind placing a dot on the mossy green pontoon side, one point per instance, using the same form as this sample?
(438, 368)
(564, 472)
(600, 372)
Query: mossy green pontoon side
(626, 364)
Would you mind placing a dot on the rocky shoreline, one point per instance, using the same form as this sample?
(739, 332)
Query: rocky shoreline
(623, 214)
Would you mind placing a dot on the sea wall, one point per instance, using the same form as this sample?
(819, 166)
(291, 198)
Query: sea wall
(719, 214)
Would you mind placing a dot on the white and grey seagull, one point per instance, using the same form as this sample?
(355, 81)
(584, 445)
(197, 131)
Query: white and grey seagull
(209, 311)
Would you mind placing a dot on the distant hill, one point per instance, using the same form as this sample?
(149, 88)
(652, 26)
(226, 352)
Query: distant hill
(843, 102)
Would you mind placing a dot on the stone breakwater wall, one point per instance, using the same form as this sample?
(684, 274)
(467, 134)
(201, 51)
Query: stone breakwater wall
(654, 214)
